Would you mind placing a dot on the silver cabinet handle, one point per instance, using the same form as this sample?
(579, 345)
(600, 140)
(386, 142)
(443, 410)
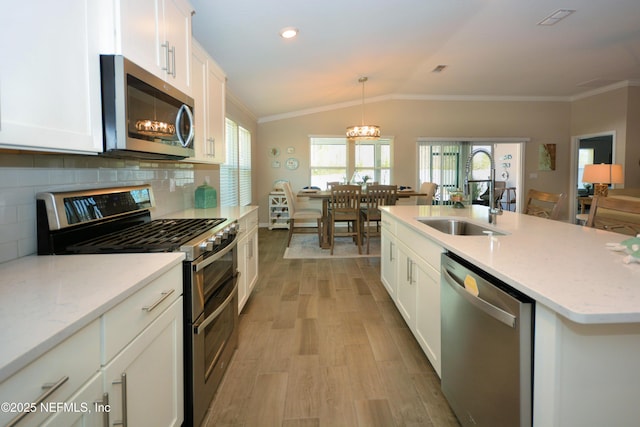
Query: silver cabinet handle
(408, 271)
(390, 251)
(173, 61)
(123, 381)
(211, 151)
(163, 296)
(50, 389)
(493, 311)
(165, 45)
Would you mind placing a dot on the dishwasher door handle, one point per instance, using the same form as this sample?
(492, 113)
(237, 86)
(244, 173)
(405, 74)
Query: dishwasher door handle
(493, 311)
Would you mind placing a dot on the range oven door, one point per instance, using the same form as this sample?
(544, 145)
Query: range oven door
(213, 334)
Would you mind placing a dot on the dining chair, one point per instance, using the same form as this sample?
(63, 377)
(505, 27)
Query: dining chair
(614, 214)
(330, 184)
(429, 189)
(301, 215)
(345, 207)
(544, 205)
(377, 195)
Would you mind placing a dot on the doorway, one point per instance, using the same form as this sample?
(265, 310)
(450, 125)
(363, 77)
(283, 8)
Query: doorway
(587, 149)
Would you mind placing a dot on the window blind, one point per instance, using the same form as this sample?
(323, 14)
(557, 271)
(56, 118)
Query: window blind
(244, 166)
(229, 170)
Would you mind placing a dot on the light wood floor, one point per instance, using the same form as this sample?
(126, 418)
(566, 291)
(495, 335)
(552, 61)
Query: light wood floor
(322, 344)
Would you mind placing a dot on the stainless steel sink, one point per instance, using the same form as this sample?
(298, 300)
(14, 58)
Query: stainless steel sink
(459, 227)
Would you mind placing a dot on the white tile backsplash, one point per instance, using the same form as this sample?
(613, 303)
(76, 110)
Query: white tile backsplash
(24, 175)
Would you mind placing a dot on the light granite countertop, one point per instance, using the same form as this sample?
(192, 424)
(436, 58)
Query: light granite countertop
(46, 299)
(566, 267)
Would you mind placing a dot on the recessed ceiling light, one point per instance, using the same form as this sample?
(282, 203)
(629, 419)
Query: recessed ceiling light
(556, 17)
(288, 33)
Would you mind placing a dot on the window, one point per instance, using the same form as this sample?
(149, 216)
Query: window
(235, 173)
(585, 157)
(337, 159)
(373, 159)
(328, 161)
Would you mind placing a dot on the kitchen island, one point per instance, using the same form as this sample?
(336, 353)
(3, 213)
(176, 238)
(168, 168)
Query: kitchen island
(587, 318)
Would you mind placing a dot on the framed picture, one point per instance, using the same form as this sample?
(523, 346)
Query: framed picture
(547, 157)
(291, 150)
(275, 164)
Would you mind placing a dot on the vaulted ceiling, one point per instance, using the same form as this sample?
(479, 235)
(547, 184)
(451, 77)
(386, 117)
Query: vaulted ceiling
(491, 49)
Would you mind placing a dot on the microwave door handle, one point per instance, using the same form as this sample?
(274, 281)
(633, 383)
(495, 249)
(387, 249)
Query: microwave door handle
(185, 142)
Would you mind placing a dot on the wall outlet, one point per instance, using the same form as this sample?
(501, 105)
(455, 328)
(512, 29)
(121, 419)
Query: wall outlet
(172, 185)
(533, 175)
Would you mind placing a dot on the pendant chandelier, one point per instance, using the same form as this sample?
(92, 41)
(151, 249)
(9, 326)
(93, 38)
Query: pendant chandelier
(363, 131)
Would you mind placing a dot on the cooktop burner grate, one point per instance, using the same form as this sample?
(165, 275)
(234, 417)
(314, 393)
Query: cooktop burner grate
(161, 235)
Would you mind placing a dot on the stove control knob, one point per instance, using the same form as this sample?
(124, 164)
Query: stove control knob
(235, 228)
(206, 246)
(218, 238)
(226, 232)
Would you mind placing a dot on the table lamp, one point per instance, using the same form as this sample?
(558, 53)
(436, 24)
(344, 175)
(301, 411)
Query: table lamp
(601, 175)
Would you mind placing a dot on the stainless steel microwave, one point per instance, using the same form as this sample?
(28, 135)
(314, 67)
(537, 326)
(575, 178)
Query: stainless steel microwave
(142, 115)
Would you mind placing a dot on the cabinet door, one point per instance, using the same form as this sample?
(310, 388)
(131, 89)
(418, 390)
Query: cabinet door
(247, 266)
(150, 372)
(243, 293)
(50, 85)
(141, 34)
(428, 312)
(389, 262)
(156, 35)
(208, 91)
(199, 93)
(406, 291)
(177, 33)
(84, 409)
(216, 83)
(252, 261)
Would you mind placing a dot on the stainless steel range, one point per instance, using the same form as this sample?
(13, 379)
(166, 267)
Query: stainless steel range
(118, 220)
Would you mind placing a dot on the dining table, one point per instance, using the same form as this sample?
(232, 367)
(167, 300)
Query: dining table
(325, 196)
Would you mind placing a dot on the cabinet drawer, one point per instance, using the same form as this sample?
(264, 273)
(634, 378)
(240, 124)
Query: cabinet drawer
(77, 359)
(125, 321)
(389, 223)
(425, 248)
(249, 221)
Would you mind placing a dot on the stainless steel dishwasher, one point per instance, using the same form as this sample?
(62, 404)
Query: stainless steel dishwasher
(487, 347)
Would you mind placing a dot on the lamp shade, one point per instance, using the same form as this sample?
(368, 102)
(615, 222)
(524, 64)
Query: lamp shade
(603, 174)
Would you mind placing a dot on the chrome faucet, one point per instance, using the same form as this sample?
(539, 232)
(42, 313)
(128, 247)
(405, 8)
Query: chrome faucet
(493, 210)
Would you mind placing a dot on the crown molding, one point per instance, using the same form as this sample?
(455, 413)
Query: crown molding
(458, 98)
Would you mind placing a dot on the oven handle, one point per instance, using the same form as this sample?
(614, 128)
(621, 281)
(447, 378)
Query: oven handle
(204, 263)
(199, 328)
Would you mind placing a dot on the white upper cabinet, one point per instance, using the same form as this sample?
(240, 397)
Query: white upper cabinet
(50, 77)
(209, 83)
(156, 35)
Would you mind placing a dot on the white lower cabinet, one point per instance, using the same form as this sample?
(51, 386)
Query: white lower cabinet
(86, 408)
(410, 270)
(52, 379)
(247, 257)
(145, 380)
(427, 329)
(388, 259)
